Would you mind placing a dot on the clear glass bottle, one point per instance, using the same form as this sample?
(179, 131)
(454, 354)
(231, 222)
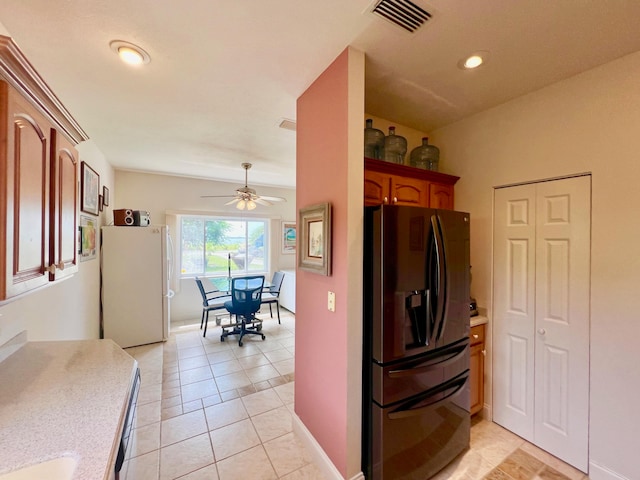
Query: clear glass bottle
(425, 156)
(373, 141)
(395, 147)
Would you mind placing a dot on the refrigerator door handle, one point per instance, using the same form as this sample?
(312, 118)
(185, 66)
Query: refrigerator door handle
(405, 410)
(433, 364)
(436, 225)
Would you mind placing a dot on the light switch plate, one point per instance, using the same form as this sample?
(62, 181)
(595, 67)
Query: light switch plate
(331, 302)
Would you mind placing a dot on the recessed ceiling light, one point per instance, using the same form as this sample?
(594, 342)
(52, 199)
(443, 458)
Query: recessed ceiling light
(130, 53)
(474, 60)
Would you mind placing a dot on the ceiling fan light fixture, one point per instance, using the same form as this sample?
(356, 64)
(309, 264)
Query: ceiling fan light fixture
(241, 204)
(129, 53)
(251, 205)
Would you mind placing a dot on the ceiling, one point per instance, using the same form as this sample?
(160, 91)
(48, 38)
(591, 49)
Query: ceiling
(224, 74)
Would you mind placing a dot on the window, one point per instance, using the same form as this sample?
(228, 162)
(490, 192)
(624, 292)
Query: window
(215, 246)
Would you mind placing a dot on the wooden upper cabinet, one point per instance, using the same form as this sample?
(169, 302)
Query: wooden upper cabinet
(38, 178)
(64, 205)
(388, 183)
(25, 234)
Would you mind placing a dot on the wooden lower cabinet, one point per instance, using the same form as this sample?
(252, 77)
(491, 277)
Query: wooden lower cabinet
(476, 360)
(388, 183)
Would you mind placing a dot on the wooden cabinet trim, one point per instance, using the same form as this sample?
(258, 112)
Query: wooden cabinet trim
(18, 72)
(406, 171)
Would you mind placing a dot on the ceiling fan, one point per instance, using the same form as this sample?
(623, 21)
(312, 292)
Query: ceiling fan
(246, 197)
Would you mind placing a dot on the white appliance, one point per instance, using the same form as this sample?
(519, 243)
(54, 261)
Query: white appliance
(136, 262)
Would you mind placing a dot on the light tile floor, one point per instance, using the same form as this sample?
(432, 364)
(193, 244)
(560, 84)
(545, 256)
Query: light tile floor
(211, 410)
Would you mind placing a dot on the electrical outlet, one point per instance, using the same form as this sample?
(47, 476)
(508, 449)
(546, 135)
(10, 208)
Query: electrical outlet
(331, 302)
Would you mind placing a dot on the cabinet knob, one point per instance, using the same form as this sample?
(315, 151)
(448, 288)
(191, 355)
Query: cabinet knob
(395, 199)
(476, 336)
(385, 200)
(542, 331)
(484, 352)
(60, 266)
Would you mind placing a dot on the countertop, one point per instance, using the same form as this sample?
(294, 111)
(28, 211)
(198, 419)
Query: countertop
(64, 398)
(479, 320)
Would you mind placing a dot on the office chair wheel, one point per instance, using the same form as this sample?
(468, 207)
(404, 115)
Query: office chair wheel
(263, 337)
(259, 328)
(240, 343)
(222, 338)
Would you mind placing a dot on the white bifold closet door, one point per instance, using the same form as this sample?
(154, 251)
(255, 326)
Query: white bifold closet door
(542, 241)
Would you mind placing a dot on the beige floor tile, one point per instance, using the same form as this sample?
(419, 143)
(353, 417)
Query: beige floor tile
(262, 373)
(287, 454)
(557, 464)
(286, 392)
(172, 401)
(308, 472)
(247, 350)
(144, 467)
(211, 400)
(148, 413)
(197, 390)
(210, 472)
(261, 402)
(232, 381)
(149, 393)
(185, 457)
(233, 439)
(225, 413)
(253, 361)
(273, 424)
(467, 465)
(185, 426)
(195, 375)
(184, 353)
(251, 464)
(193, 362)
(278, 355)
(285, 366)
(221, 356)
(226, 368)
(171, 412)
(144, 440)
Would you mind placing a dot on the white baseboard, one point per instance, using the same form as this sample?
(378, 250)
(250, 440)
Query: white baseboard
(600, 472)
(320, 458)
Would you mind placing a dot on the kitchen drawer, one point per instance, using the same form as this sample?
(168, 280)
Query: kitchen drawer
(477, 334)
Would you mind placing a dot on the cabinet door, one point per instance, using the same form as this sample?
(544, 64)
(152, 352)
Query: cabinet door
(476, 378)
(376, 188)
(25, 234)
(408, 191)
(441, 196)
(64, 198)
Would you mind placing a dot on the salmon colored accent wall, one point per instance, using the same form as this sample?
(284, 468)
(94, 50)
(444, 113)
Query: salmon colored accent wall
(321, 335)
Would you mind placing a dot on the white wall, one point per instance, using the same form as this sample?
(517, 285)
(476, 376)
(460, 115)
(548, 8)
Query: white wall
(589, 123)
(69, 309)
(165, 196)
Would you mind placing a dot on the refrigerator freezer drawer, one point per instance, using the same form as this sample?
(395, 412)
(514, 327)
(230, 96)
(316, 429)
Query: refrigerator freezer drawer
(402, 380)
(417, 439)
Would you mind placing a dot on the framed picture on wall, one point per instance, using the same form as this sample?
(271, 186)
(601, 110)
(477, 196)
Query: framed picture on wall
(288, 237)
(89, 185)
(105, 196)
(87, 232)
(315, 239)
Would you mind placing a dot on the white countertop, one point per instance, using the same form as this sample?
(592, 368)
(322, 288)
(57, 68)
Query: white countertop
(65, 398)
(479, 320)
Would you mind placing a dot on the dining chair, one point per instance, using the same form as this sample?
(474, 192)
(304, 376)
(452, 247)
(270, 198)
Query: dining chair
(271, 294)
(211, 300)
(246, 298)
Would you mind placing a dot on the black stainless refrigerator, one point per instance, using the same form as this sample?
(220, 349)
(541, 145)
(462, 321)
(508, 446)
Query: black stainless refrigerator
(416, 341)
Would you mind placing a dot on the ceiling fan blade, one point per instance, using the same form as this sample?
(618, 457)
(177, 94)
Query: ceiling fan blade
(273, 199)
(231, 202)
(262, 201)
(217, 196)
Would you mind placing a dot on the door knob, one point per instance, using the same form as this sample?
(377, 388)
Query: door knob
(542, 331)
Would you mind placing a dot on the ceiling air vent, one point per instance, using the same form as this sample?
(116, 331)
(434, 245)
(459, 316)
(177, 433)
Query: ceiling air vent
(288, 124)
(403, 13)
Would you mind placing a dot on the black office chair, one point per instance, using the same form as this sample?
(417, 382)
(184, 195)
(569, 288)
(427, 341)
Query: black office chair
(211, 300)
(246, 298)
(271, 294)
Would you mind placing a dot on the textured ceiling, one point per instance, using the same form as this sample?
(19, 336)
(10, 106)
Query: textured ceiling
(223, 75)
